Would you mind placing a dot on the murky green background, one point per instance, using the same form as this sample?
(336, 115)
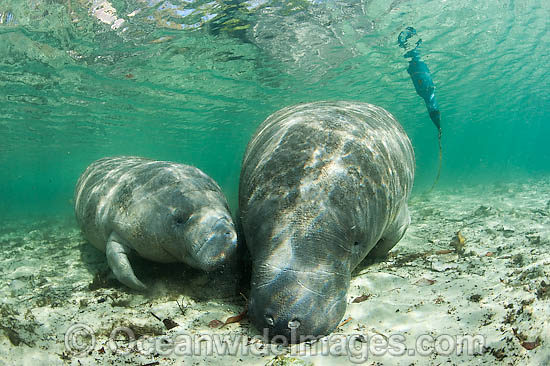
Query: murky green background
(189, 81)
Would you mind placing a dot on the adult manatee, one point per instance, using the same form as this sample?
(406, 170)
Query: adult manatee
(322, 186)
(163, 211)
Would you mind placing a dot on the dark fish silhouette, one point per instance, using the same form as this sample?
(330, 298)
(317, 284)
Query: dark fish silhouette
(423, 83)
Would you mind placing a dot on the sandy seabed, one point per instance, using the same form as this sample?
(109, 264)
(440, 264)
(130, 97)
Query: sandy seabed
(469, 284)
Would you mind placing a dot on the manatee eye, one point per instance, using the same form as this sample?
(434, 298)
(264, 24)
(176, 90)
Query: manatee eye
(181, 218)
(355, 243)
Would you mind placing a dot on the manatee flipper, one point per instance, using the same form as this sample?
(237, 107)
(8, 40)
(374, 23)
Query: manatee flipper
(393, 234)
(117, 258)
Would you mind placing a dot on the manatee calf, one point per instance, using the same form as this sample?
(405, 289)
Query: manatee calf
(322, 186)
(163, 211)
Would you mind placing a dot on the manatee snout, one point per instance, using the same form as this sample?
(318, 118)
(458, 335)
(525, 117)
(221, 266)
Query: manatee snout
(214, 237)
(296, 306)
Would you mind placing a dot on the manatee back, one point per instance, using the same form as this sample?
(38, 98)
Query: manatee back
(110, 188)
(352, 157)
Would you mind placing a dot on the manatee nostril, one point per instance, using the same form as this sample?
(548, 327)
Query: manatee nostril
(269, 320)
(294, 323)
(228, 234)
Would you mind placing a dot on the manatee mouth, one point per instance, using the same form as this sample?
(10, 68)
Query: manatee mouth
(290, 327)
(220, 243)
(291, 310)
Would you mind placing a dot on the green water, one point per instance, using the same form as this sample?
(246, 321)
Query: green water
(189, 81)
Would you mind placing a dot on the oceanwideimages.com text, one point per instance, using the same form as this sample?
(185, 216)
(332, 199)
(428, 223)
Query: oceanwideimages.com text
(80, 339)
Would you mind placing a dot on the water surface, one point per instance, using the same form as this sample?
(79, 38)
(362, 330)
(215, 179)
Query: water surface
(189, 81)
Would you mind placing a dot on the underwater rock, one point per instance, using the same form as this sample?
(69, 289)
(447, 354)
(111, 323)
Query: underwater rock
(440, 266)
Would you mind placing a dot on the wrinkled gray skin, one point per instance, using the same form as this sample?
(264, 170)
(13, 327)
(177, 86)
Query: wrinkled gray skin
(322, 186)
(164, 212)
